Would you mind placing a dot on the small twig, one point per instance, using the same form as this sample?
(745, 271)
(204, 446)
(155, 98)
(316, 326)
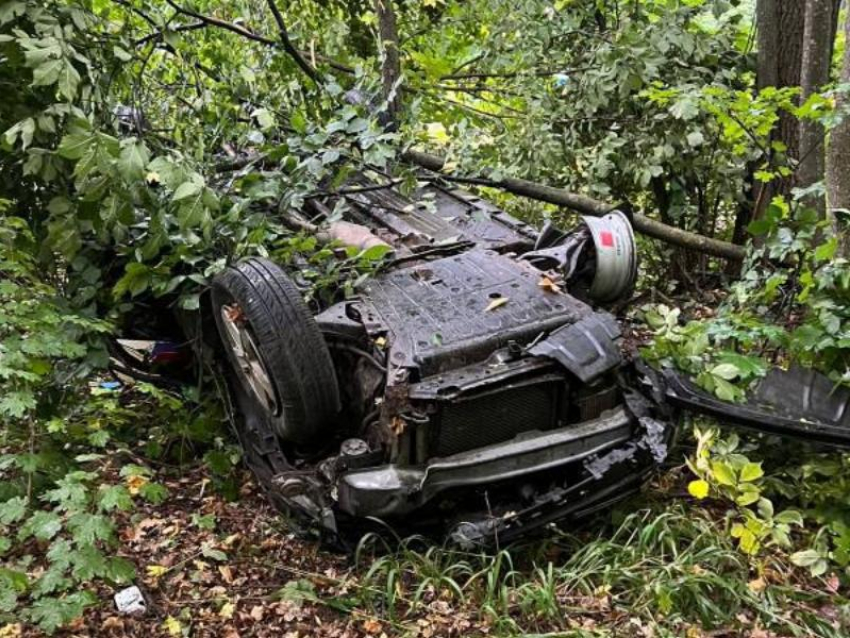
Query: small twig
(223, 24)
(157, 35)
(144, 16)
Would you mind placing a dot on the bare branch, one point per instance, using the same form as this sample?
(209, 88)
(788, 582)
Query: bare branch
(157, 35)
(222, 24)
(144, 16)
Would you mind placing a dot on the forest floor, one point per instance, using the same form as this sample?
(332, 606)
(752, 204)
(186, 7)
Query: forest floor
(208, 567)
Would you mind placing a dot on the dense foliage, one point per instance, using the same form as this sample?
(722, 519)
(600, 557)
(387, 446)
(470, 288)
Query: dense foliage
(145, 145)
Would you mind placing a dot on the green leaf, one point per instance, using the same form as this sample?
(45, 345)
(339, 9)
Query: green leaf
(74, 145)
(759, 227)
(47, 72)
(53, 580)
(695, 139)
(187, 189)
(17, 403)
(826, 251)
(58, 206)
(751, 472)
(805, 558)
(88, 563)
(684, 109)
(69, 80)
(376, 253)
(723, 473)
(725, 390)
(215, 554)
(153, 493)
(190, 302)
(136, 279)
(789, 517)
(13, 510)
(88, 528)
(115, 497)
(43, 525)
(264, 119)
(132, 160)
(726, 371)
(52, 613)
(119, 570)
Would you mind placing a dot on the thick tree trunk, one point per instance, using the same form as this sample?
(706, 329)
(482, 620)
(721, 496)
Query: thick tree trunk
(814, 74)
(779, 26)
(838, 153)
(390, 58)
(767, 25)
(589, 206)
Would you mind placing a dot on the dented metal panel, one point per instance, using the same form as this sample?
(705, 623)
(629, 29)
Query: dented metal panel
(587, 348)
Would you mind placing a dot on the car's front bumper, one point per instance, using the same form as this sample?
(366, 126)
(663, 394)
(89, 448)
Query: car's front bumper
(392, 490)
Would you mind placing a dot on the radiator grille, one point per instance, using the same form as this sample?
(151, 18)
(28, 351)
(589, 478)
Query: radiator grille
(496, 417)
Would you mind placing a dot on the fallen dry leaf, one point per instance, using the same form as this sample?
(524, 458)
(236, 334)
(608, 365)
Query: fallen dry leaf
(11, 630)
(757, 585)
(372, 626)
(498, 302)
(135, 483)
(548, 285)
(832, 583)
(226, 573)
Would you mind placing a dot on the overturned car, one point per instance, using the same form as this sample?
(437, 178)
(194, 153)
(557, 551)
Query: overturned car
(475, 385)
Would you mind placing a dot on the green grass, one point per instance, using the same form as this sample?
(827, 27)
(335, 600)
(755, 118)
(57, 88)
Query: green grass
(670, 567)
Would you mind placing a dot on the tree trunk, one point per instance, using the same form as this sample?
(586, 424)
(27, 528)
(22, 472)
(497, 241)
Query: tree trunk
(780, 26)
(767, 25)
(814, 75)
(838, 152)
(390, 59)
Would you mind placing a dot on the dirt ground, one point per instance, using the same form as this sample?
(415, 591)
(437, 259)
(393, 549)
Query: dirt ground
(208, 567)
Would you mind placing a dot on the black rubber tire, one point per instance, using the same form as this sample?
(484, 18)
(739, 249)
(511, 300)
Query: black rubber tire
(291, 346)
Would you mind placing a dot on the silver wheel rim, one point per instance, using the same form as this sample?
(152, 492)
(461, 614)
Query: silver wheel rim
(247, 356)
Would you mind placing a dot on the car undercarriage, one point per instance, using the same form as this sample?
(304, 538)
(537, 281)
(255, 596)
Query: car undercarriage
(474, 384)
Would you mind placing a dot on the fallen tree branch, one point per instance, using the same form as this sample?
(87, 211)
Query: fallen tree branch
(588, 206)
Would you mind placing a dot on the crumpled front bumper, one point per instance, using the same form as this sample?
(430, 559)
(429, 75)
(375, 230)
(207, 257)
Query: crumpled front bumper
(616, 436)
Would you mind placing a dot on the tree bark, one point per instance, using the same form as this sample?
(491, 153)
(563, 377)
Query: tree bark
(390, 58)
(779, 26)
(589, 206)
(838, 152)
(814, 74)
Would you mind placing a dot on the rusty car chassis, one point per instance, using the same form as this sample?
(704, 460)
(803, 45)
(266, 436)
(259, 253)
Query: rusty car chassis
(475, 382)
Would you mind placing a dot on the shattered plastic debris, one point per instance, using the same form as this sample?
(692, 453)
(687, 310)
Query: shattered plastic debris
(652, 440)
(130, 601)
